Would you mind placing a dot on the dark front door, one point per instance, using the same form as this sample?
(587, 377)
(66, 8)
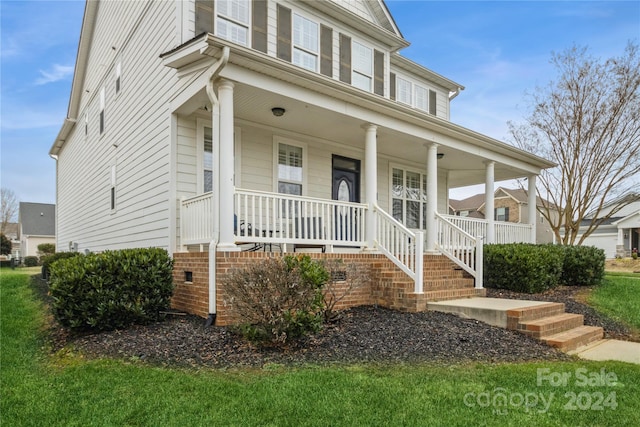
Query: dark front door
(346, 188)
(346, 179)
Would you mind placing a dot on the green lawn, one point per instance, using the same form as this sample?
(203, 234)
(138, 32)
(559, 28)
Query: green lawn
(68, 390)
(619, 298)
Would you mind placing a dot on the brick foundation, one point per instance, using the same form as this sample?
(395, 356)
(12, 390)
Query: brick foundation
(389, 286)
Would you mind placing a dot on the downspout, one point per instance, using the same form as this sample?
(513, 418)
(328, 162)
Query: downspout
(213, 245)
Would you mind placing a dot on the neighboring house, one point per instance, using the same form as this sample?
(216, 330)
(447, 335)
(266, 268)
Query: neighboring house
(213, 126)
(617, 235)
(12, 231)
(37, 225)
(509, 205)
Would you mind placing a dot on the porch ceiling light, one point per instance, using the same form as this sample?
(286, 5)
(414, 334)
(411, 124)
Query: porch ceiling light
(440, 155)
(278, 111)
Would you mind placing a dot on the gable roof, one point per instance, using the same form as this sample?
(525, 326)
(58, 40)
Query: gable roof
(472, 203)
(37, 219)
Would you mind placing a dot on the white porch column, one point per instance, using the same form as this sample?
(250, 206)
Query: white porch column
(225, 167)
(371, 181)
(489, 202)
(533, 203)
(432, 195)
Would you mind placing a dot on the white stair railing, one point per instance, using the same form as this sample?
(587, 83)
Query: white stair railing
(461, 247)
(402, 246)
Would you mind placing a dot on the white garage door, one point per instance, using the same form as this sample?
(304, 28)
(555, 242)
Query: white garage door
(603, 241)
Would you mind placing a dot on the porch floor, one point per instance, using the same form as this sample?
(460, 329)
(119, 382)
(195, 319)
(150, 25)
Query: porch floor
(546, 321)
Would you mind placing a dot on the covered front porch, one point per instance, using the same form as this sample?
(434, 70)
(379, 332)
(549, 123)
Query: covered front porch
(276, 155)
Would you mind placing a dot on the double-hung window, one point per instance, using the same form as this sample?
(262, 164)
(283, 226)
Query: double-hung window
(232, 20)
(502, 214)
(409, 197)
(403, 91)
(290, 176)
(305, 43)
(422, 98)
(362, 63)
(207, 161)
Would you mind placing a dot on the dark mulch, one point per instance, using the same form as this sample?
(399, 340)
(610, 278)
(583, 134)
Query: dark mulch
(363, 334)
(571, 297)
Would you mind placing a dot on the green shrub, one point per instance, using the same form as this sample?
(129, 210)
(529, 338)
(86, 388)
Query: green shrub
(45, 249)
(278, 300)
(522, 267)
(30, 261)
(48, 260)
(5, 263)
(582, 266)
(111, 290)
(5, 245)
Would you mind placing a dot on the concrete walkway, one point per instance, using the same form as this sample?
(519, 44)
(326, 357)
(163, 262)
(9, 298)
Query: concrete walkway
(499, 312)
(622, 351)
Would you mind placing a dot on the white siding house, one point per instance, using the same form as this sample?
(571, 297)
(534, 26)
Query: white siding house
(189, 120)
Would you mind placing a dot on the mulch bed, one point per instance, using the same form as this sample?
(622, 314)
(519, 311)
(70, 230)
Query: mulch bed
(361, 335)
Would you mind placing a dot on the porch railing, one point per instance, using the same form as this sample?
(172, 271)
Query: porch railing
(400, 245)
(460, 246)
(196, 226)
(283, 218)
(505, 232)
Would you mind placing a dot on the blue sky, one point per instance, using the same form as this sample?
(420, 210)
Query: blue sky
(496, 49)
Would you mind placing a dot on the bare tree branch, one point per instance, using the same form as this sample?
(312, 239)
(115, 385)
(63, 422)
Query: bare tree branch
(587, 121)
(8, 208)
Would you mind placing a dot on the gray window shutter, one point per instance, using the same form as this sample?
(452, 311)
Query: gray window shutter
(326, 51)
(345, 58)
(284, 33)
(392, 86)
(259, 24)
(378, 72)
(432, 102)
(204, 16)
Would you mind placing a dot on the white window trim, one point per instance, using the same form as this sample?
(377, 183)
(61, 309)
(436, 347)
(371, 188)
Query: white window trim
(414, 83)
(294, 46)
(101, 112)
(113, 189)
(411, 89)
(406, 169)
(200, 125)
(353, 70)
(277, 140)
(247, 25)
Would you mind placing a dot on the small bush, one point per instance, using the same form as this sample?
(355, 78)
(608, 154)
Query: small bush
(30, 261)
(45, 249)
(582, 266)
(48, 260)
(111, 290)
(522, 267)
(278, 300)
(344, 279)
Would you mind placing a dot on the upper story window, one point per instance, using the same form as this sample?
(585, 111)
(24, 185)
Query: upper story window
(305, 43)
(362, 66)
(102, 105)
(422, 98)
(118, 77)
(403, 91)
(501, 214)
(232, 20)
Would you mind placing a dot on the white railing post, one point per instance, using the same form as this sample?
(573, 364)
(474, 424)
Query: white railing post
(479, 262)
(419, 264)
(182, 225)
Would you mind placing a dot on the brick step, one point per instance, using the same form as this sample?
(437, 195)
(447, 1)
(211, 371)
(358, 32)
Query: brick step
(444, 274)
(551, 325)
(449, 294)
(574, 338)
(443, 284)
(520, 315)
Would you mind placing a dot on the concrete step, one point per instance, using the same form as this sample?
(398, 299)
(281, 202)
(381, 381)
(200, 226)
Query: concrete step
(551, 325)
(574, 338)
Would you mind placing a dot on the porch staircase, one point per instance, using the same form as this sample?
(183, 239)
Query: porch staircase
(444, 280)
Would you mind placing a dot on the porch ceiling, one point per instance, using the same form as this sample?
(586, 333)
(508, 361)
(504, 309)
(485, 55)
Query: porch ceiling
(254, 105)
